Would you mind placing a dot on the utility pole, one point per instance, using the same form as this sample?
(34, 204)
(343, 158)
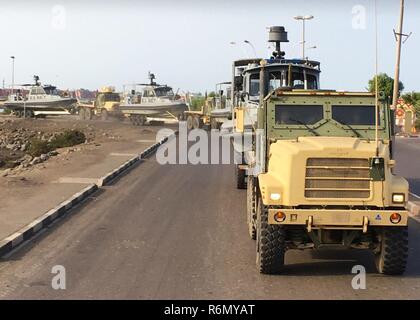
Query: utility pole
(13, 73)
(398, 36)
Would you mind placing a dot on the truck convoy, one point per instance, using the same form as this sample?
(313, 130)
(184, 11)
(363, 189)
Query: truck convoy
(319, 168)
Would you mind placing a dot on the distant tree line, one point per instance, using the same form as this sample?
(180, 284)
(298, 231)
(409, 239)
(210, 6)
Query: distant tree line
(386, 85)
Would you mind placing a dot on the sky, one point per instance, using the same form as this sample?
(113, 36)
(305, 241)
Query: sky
(187, 43)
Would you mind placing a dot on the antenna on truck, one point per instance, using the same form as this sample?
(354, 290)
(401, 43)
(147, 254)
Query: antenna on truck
(376, 80)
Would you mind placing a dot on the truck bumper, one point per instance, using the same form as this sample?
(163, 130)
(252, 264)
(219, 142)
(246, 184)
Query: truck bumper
(337, 219)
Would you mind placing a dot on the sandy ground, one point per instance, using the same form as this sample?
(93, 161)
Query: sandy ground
(26, 193)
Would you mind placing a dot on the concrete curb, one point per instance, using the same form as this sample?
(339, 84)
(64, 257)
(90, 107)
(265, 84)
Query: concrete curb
(14, 240)
(113, 174)
(27, 232)
(143, 155)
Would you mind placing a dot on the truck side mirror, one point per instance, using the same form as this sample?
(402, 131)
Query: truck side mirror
(244, 95)
(238, 82)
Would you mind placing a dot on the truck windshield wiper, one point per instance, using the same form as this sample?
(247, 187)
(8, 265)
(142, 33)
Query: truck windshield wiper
(306, 126)
(352, 129)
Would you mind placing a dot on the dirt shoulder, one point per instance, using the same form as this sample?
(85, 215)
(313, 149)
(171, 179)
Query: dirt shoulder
(27, 192)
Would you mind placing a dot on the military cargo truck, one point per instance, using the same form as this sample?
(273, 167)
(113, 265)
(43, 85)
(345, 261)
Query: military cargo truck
(320, 174)
(106, 104)
(215, 111)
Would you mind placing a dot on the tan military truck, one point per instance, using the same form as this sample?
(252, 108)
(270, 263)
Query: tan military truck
(322, 177)
(106, 104)
(215, 111)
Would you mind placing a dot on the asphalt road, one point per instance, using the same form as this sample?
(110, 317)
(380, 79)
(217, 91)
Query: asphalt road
(179, 232)
(407, 154)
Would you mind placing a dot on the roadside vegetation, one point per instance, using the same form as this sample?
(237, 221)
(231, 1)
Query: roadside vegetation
(198, 101)
(68, 138)
(386, 85)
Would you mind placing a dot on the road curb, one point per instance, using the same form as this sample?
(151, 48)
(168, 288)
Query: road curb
(27, 232)
(114, 173)
(143, 155)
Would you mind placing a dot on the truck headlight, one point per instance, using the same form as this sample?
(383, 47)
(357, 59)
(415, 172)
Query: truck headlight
(398, 198)
(275, 196)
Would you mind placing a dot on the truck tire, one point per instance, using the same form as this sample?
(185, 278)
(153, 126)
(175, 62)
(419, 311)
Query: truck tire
(142, 120)
(214, 124)
(82, 114)
(271, 243)
(241, 183)
(392, 258)
(88, 114)
(251, 208)
(104, 114)
(189, 122)
(196, 123)
(28, 114)
(181, 117)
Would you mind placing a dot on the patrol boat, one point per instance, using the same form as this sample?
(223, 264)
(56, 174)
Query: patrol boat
(152, 100)
(39, 99)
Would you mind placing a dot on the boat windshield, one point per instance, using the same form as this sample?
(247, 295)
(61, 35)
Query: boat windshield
(280, 79)
(164, 92)
(37, 90)
(51, 91)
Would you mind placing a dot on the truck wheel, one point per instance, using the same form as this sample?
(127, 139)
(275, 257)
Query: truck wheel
(82, 114)
(392, 259)
(190, 122)
(88, 114)
(214, 124)
(29, 114)
(141, 120)
(196, 123)
(251, 204)
(104, 114)
(240, 178)
(181, 117)
(271, 243)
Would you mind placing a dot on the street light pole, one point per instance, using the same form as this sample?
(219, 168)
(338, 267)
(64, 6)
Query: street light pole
(252, 46)
(303, 19)
(303, 40)
(13, 73)
(233, 43)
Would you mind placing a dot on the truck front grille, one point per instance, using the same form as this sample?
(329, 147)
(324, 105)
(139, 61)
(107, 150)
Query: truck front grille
(337, 178)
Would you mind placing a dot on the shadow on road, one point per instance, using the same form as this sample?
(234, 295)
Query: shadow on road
(332, 262)
(341, 262)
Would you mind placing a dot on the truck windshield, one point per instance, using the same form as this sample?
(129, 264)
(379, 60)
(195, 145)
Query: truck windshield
(362, 115)
(298, 114)
(112, 97)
